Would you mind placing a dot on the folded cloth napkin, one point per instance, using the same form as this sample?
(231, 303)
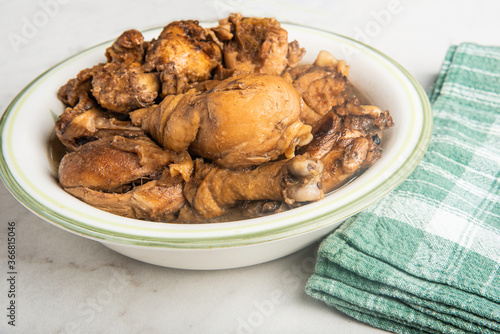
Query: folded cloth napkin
(426, 258)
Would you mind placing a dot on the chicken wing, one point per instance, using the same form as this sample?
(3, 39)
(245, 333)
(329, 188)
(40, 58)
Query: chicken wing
(156, 200)
(347, 141)
(110, 163)
(87, 122)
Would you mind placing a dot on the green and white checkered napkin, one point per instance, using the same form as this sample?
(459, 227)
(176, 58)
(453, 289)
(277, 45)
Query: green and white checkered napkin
(426, 258)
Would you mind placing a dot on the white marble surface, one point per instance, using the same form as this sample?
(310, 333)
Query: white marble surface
(68, 284)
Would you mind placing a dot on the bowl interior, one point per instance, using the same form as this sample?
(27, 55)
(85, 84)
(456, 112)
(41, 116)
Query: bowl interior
(27, 124)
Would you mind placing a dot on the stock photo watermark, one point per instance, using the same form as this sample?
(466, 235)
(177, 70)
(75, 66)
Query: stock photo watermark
(380, 19)
(263, 8)
(96, 304)
(30, 26)
(11, 274)
(262, 310)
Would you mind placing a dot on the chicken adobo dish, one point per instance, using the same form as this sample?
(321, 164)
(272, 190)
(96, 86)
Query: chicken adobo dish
(205, 125)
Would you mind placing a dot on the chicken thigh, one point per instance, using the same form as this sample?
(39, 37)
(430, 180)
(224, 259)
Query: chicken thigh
(79, 87)
(182, 54)
(124, 87)
(256, 45)
(243, 121)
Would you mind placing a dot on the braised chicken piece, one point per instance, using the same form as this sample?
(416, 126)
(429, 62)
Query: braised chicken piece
(243, 121)
(124, 87)
(110, 163)
(213, 190)
(346, 134)
(87, 122)
(156, 200)
(182, 54)
(323, 85)
(79, 87)
(347, 157)
(326, 133)
(347, 141)
(116, 87)
(92, 125)
(371, 121)
(121, 85)
(128, 48)
(249, 119)
(173, 123)
(256, 45)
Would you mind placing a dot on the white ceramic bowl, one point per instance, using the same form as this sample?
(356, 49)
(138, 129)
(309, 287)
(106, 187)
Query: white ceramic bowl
(25, 168)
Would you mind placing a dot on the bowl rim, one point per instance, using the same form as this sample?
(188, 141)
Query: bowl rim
(295, 225)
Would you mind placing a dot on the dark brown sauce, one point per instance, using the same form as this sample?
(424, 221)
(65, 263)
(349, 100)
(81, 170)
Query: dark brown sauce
(56, 152)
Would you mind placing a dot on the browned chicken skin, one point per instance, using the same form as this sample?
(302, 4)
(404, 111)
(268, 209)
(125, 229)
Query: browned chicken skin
(157, 200)
(323, 85)
(256, 45)
(128, 48)
(347, 135)
(209, 125)
(91, 125)
(322, 88)
(182, 54)
(107, 164)
(124, 87)
(87, 121)
(216, 124)
(173, 124)
(213, 190)
(249, 119)
(79, 87)
(347, 144)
